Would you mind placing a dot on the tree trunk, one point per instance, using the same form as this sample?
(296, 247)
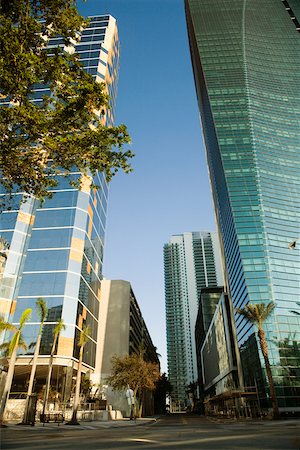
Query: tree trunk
(141, 408)
(264, 349)
(8, 382)
(141, 404)
(48, 381)
(135, 405)
(34, 364)
(74, 420)
(32, 375)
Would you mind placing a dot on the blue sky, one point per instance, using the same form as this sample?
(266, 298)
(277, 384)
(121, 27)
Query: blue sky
(168, 192)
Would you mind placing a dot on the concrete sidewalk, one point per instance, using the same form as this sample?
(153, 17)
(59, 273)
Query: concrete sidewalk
(254, 422)
(83, 425)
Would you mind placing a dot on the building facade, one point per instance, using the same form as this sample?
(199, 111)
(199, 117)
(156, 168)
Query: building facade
(121, 330)
(191, 262)
(247, 81)
(56, 251)
(209, 299)
(218, 357)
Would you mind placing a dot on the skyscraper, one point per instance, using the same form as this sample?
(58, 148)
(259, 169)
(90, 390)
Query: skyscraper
(64, 240)
(247, 81)
(191, 262)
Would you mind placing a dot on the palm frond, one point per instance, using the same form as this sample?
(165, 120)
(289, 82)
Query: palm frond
(25, 317)
(84, 336)
(59, 327)
(256, 313)
(14, 343)
(268, 309)
(22, 344)
(4, 348)
(42, 308)
(244, 312)
(6, 326)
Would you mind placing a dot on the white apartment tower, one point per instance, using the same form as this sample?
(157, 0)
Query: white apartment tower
(192, 261)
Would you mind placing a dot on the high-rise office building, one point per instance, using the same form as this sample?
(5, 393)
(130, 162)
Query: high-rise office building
(191, 262)
(247, 81)
(63, 241)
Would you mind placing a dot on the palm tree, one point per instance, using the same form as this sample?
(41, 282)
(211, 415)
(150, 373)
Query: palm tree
(12, 348)
(257, 314)
(42, 308)
(59, 327)
(83, 339)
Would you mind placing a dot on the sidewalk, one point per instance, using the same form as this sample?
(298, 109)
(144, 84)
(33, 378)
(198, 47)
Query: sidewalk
(83, 425)
(255, 422)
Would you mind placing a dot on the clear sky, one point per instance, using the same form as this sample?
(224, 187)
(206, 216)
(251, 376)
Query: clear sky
(168, 192)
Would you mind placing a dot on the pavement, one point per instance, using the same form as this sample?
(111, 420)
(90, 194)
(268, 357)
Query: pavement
(168, 432)
(83, 425)
(255, 422)
(96, 425)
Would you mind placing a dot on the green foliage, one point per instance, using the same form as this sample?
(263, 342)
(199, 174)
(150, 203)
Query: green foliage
(192, 388)
(86, 385)
(42, 308)
(53, 394)
(65, 131)
(134, 371)
(17, 338)
(257, 313)
(25, 317)
(59, 327)
(163, 386)
(6, 326)
(165, 382)
(84, 336)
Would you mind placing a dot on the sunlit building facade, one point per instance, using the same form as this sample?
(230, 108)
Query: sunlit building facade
(64, 239)
(247, 81)
(191, 262)
(122, 331)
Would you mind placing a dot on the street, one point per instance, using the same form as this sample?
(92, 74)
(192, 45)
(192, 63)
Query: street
(174, 431)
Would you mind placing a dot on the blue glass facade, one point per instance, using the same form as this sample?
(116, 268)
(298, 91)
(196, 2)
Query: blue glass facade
(247, 81)
(63, 241)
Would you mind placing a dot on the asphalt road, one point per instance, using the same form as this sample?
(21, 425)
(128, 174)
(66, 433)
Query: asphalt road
(172, 432)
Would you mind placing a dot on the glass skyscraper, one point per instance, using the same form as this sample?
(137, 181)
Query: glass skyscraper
(63, 241)
(247, 78)
(192, 261)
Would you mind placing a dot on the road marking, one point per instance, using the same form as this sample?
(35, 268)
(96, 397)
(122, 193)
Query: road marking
(143, 440)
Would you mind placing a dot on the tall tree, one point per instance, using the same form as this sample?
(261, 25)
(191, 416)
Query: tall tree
(257, 314)
(59, 327)
(40, 141)
(12, 348)
(192, 393)
(134, 371)
(83, 339)
(163, 388)
(42, 311)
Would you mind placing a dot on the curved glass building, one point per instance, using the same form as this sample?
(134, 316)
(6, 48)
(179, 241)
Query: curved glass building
(247, 77)
(56, 252)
